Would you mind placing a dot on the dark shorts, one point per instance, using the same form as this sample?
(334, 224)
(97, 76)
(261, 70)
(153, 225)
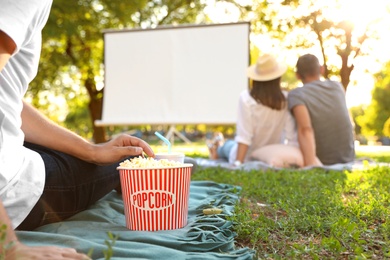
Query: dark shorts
(71, 186)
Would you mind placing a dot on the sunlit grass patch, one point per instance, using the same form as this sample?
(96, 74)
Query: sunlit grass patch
(312, 214)
(377, 153)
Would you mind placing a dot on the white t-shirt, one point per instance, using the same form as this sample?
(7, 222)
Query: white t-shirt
(22, 171)
(258, 125)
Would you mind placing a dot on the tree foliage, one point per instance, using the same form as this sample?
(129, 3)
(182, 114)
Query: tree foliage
(386, 128)
(356, 112)
(377, 113)
(299, 24)
(72, 56)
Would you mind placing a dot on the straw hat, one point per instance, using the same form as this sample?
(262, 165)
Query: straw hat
(266, 68)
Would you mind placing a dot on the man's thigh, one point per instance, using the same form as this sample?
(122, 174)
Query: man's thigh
(71, 186)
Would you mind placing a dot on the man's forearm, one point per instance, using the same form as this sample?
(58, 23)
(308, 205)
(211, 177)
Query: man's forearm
(307, 145)
(241, 152)
(40, 130)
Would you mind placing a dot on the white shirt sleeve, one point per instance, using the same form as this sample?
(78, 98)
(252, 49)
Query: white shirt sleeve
(19, 17)
(244, 126)
(290, 131)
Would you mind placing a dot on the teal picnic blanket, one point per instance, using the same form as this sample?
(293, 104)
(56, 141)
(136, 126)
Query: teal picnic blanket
(205, 236)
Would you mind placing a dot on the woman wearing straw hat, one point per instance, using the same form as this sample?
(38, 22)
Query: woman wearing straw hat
(264, 124)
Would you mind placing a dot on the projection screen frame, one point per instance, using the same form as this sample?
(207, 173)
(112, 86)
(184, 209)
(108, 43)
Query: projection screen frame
(234, 94)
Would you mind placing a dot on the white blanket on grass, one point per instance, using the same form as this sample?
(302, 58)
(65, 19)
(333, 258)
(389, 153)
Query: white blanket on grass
(358, 164)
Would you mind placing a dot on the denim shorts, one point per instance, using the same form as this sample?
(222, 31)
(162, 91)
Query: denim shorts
(71, 186)
(224, 150)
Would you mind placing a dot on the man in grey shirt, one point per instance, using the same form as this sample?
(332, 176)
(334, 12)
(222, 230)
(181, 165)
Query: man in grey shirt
(319, 108)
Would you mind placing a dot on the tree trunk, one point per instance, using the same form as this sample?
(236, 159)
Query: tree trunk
(345, 73)
(96, 101)
(95, 108)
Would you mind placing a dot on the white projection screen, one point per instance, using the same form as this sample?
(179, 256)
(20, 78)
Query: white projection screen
(175, 75)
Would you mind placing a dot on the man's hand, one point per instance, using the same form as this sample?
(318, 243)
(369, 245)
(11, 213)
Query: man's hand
(119, 148)
(23, 252)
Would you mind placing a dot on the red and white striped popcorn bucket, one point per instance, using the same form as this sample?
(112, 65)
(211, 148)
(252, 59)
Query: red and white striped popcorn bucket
(156, 198)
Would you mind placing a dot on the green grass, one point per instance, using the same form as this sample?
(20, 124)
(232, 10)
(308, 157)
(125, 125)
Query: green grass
(312, 214)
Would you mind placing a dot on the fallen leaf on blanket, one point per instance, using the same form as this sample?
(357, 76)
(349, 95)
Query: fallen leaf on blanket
(212, 211)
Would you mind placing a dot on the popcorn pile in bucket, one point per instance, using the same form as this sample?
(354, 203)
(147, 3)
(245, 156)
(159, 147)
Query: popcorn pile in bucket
(142, 162)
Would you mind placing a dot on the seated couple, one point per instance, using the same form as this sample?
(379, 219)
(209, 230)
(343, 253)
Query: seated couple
(309, 126)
